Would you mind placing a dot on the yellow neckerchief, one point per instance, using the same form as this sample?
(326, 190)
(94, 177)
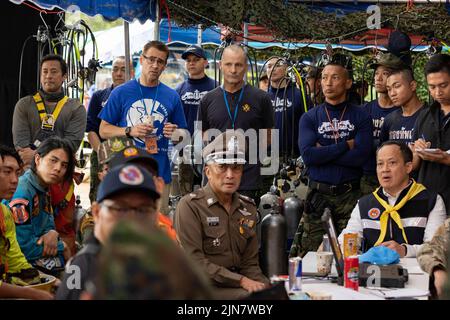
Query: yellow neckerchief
(41, 108)
(392, 211)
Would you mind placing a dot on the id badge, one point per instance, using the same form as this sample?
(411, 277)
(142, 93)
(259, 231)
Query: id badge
(48, 122)
(151, 144)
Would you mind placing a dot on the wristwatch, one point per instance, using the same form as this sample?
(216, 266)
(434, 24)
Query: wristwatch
(128, 131)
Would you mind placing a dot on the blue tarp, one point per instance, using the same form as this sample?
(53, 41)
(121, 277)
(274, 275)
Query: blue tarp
(129, 10)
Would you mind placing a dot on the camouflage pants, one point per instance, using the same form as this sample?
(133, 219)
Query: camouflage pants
(368, 184)
(94, 181)
(310, 231)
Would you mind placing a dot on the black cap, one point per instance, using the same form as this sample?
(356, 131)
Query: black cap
(132, 155)
(124, 178)
(195, 50)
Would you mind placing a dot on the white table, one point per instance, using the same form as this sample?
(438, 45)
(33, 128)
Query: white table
(417, 279)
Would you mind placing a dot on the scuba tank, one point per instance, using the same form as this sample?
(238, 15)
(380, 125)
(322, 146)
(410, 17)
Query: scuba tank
(292, 211)
(273, 245)
(267, 201)
(78, 214)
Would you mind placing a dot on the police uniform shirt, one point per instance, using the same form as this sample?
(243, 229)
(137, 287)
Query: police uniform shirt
(255, 112)
(224, 244)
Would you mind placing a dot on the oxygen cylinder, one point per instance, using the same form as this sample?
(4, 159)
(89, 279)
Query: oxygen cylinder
(292, 211)
(78, 214)
(273, 244)
(267, 202)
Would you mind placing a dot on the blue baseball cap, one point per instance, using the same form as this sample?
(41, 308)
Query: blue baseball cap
(125, 178)
(195, 50)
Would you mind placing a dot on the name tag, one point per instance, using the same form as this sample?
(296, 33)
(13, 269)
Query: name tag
(212, 221)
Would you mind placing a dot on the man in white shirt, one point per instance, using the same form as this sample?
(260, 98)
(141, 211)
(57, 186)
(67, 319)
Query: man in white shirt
(401, 214)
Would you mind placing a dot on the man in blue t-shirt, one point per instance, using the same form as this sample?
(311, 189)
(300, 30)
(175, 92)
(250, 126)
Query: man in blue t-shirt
(97, 102)
(191, 91)
(378, 109)
(335, 142)
(288, 106)
(399, 125)
(147, 111)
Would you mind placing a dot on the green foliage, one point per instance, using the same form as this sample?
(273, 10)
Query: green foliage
(298, 21)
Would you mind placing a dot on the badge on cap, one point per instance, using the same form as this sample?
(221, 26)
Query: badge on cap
(130, 152)
(131, 175)
(212, 221)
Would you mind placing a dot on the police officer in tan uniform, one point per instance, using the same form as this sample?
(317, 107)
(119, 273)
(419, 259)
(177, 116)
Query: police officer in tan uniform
(216, 225)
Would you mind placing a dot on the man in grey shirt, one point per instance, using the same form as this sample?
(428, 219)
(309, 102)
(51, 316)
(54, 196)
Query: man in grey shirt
(69, 123)
(50, 112)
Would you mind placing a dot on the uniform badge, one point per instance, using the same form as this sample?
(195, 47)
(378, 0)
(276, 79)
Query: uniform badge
(212, 221)
(245, 213)
(117, 145)
(20, 214)
(216, 242)
(374, 213)
(210, 201)
(130, 152)
(246, 107)
(131, 175)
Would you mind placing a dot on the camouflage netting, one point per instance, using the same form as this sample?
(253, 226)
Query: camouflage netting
(297, 21)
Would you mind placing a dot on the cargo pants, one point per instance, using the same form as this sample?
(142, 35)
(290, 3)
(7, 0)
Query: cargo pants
(310, 230)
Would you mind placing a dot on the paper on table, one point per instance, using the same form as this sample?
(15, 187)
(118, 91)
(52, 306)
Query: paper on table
(401, 293)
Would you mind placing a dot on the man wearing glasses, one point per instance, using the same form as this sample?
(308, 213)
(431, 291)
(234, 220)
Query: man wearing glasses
(127, 192)
(216, 225)
(147, 111)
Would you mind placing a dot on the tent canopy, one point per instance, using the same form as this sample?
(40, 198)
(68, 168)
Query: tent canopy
(143, 10)
(110, 42)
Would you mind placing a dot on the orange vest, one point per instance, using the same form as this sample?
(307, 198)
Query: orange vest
(165, 224)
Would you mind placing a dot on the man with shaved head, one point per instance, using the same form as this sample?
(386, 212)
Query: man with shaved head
(335, 142)
(237, 105)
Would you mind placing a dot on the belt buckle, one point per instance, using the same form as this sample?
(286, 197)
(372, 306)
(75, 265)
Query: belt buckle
(333, 190)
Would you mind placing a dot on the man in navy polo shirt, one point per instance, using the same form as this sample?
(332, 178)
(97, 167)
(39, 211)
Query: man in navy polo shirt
(288, 106)
(96, 104)
(237, 105)
(147, 111)
(191, 91)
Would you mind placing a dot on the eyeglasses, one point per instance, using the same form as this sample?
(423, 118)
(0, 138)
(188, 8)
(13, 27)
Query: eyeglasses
(235, 167)
(122, 211)
(152, 60)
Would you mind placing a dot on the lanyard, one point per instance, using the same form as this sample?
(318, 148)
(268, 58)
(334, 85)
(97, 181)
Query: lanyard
(335, 129)
(142, 97)
(233, 119)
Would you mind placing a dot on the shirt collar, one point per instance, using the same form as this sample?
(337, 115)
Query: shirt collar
(211, 198)
(392, 199)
